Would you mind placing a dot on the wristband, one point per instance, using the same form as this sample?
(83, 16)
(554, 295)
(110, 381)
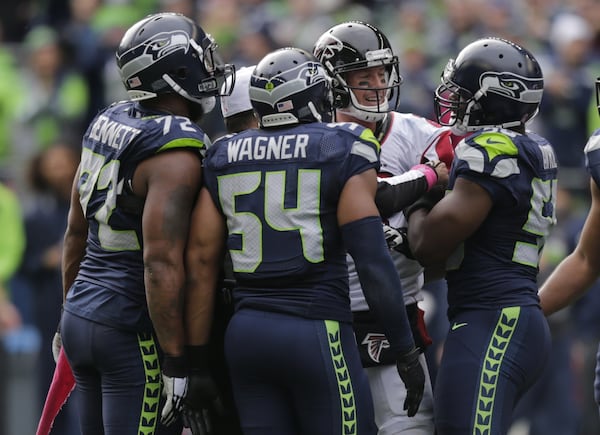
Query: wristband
(197, 357)
(174, 366)
(429, 173)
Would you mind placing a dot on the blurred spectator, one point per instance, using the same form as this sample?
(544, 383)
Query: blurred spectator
(55, 98)
(110, 22)
(501, 18)
(567, 90)
(15, 18)
(304, 20)
(12, 244)
(84, 47)
(11, 91)
(410, 39)
(51, 175)
(460, 25)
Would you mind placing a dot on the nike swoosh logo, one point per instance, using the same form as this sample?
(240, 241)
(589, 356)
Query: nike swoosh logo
(491, 141)
(458, 325)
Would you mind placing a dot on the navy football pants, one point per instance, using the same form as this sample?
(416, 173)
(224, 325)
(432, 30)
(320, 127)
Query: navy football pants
(118, 377)
(490, 359)
(293, 375)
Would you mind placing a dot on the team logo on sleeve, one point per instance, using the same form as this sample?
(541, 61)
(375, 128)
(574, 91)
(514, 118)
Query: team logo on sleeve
(375, 344)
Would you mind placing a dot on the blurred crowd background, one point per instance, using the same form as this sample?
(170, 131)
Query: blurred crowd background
(57, 70)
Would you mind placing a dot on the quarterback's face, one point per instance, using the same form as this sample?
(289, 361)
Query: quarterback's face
(369, 85)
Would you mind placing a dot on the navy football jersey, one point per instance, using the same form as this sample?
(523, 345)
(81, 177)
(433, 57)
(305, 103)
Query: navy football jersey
(497, 266)
(111, 274)
(592, 156)
(279, 190)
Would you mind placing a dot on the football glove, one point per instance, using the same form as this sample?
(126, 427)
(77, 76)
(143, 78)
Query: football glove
(175, 386)
(397, 239)
(56, 345)
(203, 395)
(411, 373)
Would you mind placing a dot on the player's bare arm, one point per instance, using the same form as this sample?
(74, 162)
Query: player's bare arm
(75, 239)
(449, 223)
(577, 272)
(356, 200)
(204, 259)
(170, 196)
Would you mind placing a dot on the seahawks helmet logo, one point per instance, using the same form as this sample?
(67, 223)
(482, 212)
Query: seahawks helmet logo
(286, 83)
(375, 344)
(163, 44)
(512, 86)
(154, 49)
(328, 47)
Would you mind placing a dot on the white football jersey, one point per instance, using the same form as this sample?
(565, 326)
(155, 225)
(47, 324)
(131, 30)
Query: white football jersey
(409, 141)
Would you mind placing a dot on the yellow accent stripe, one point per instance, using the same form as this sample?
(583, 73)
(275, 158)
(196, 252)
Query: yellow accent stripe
(368, 135)
(149, 414)
(507, 323)
(342, 374)
(182, 143)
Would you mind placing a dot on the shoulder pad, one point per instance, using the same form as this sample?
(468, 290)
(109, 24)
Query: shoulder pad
(489, 152)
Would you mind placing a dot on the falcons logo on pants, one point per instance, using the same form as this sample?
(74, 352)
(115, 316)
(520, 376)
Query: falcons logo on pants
(375, 344)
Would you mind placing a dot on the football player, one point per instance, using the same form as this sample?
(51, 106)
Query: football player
(489, 230)
(288, 200)
(123, 264)
(580, 269)
(366, 84)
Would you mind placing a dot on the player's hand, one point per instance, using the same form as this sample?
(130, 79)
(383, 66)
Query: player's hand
(441, 171)
(56, 345)
(411, 373)
(201, 402)
(175, 387)
(397, 239)
(427, 201)
(202, 399)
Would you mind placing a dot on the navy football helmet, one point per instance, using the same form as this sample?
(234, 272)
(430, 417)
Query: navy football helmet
(290, 86)
(169, 53)
(355, 45)
(491, 83)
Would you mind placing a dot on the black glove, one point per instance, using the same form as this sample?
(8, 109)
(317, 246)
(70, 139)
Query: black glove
(411, 373)
(203, 397)
(427, 201)
(175, 387)
(397, 239)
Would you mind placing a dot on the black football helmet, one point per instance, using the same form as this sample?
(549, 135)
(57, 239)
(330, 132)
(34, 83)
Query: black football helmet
(355, 45)
(169, 53)
(290, 86)
(491, 83)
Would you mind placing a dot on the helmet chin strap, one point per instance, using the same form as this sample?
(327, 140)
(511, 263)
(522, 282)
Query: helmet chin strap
(207, 103)
(363, 112)
(362, 115)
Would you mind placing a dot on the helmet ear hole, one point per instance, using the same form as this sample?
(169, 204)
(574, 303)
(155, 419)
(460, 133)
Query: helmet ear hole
(341, 98)
(181, 73)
